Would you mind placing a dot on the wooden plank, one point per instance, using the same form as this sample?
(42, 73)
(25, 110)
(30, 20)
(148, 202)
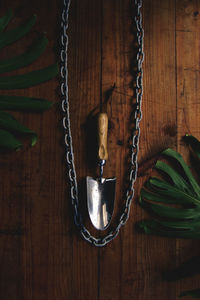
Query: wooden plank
(35, 187)
(134, 258)
(158, 131)
(115, 53)
(148, 256)
(84, 92)
(188, 108)
(42, 255)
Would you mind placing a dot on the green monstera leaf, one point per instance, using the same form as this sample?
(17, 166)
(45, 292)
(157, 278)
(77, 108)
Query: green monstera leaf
(10, 128)
(173, 201)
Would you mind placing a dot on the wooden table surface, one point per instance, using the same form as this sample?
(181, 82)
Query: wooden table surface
(42, 256)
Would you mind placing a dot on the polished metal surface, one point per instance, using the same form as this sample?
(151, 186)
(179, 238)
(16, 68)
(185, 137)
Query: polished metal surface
(102, 163)
(100, 200)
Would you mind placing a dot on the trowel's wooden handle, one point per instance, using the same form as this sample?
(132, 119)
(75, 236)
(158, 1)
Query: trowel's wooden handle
(102, 136)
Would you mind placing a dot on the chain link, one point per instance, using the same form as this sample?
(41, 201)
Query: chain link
(100, 242)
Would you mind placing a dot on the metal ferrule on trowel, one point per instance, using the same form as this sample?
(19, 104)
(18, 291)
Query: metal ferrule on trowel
(101, 191)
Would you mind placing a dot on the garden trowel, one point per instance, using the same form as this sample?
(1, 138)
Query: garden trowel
(101, 191)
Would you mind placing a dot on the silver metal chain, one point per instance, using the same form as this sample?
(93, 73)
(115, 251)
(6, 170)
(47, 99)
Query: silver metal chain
(99, 242)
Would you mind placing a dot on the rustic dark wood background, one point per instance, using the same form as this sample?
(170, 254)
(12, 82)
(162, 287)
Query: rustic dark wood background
(42, 256)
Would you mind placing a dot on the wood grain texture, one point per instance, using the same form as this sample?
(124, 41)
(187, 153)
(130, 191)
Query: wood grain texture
(42, 255)
(188, 101)
(102, 136)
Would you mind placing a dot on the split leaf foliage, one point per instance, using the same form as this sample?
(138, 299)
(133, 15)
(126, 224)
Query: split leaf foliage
(10, 128)
(174, 199)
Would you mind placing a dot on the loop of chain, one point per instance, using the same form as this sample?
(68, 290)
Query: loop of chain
(100, 242)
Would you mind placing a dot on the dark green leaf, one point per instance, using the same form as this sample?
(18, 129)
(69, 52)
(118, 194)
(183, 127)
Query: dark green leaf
(171, 212)
(28, 79)
(188, 268)
(24, 59)
(155, 228)
(179, 188)
(193, 293)
(5, 20)
(192, 225)
(12, 35)
(190, 178)
(8, 122)
(8, 141)
(166, 189)
(23, 103)
(193, 143)
(177, 180)
(155, 197)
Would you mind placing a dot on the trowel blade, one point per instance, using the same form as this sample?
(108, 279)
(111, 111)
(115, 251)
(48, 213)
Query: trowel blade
(100, 201)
